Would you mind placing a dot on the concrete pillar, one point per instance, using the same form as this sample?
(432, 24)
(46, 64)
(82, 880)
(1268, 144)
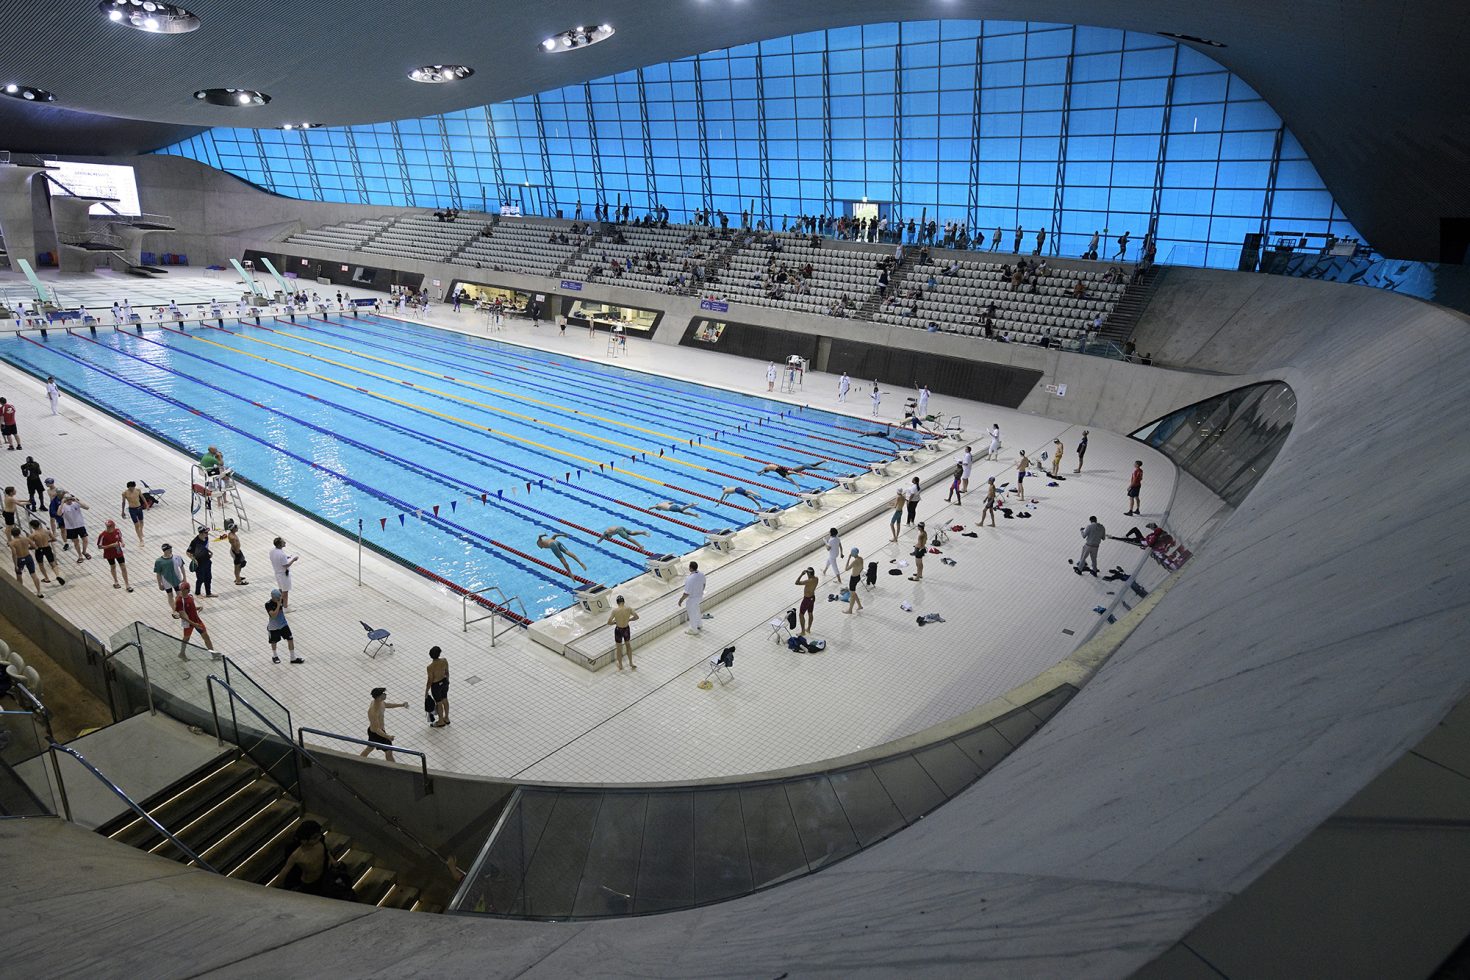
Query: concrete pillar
(16, 223)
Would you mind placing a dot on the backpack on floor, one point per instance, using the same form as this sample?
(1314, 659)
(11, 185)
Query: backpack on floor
(791, 619)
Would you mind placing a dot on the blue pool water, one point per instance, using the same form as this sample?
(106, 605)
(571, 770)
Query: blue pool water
(381, 420)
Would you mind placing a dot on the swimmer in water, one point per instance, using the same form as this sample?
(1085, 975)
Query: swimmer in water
(784, 472)
(620, 532)
(552, 544)
(751, 495)
(675, 507)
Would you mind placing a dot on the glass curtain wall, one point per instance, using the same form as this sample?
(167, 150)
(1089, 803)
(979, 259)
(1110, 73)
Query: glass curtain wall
(992, 124)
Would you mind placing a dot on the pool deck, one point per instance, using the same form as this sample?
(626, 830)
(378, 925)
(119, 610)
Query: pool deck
(1012, 607)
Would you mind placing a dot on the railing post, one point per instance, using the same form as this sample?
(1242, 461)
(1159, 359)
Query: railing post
(60, 783)
(214, 712)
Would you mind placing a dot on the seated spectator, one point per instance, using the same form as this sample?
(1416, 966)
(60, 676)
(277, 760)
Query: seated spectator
(1079, 289)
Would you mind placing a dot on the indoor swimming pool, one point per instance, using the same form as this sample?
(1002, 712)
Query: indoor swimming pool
(457, 452)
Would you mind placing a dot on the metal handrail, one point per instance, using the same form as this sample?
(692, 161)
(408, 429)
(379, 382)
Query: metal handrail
(423, 758)
(229, 663)
(496, 609)
(132, 805)
(310, 759)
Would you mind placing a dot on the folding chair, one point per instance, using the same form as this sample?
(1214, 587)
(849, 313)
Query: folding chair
(723, 661)
(779, 630)
(376, 640)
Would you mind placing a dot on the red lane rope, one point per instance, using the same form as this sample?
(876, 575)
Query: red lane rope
(664, 516)
(509, 614)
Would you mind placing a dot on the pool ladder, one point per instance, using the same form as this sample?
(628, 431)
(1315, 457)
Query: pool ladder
(223, 491)
(500, 606)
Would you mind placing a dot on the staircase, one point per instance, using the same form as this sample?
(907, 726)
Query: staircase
(570, 262)
(715, 268)
(243, 824)
(898, 279)
(1119, 324)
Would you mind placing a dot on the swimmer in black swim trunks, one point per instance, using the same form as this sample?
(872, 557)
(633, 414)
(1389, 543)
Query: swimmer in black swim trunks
(784, 472)
(739, 491)
(619, 531)
(675, 507)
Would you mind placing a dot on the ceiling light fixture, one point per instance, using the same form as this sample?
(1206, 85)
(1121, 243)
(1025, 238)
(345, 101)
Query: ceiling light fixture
(290, 126)
(150, 16)
(27, 93)
(234, 97)
(440, 74)
(577, 37)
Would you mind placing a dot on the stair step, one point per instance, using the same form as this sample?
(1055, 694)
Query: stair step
(265, 863)
(400, 896)
(373, 885)
(216, 822)
(183, 802)
(246, 839)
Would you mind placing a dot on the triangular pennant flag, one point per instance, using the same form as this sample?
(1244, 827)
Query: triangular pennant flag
(400, 520)
(569, 476)
(454, 506)
(436, 510)
(528, 488)
(485, 497)
(382, 523)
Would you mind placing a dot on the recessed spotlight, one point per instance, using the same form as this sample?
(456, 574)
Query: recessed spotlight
(577, 37)
(302, 126)
(1192, 39)
(151, 16)
(440, 74)
(28, 93)
(233, 97)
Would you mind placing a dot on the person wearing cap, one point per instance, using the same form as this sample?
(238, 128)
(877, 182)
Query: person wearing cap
(921, 548)
(111, 543)
(188, 611)
(854, 576)
(377, 732)
(1081, 450)
(7, 425)
(54, 496)
(169, 570)
(621, 622)
(203, 559)
(281, 564)
(75, 523)
(277, 629)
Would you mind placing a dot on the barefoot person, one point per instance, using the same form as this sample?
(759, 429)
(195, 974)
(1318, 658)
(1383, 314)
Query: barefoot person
(1135, 488)
(552, 543)
(132, 507)
(377, 729)
(20, 551)
(989, 507)
(896, 521)
(808, 580)
(750, 495)
(41, 540)
(854, 576)
(921, 548)
(621, 622)
(669, 505)
(237, 555)
(8, 426)
(111, 543)
(75, 523)
(784, 472)
(436, 686)
(1081, 450)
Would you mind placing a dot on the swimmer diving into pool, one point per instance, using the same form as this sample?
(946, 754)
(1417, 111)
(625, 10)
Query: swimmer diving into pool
(784, 472)
(551, 543)
(739, 491)
(675, 507)
(619, 531)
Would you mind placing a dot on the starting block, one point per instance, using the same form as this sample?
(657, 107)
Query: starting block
(721, 541)
(665, 569)
(907, 455)
(812, 500)
(932, 444)
(770, 519)
(848, 483)
(879, 468)
(594, 600)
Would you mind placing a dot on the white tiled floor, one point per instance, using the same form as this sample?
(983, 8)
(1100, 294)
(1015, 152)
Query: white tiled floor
(1009, 602)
